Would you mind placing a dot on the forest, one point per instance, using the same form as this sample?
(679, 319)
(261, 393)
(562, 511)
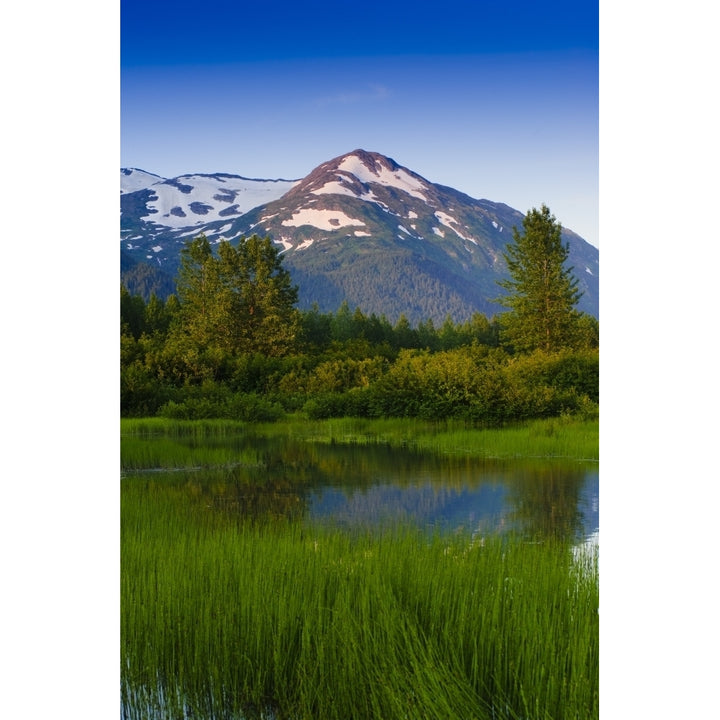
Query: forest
(231, 343)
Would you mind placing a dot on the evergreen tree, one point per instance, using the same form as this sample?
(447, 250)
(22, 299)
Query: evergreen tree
(132, 313)
(542, 290)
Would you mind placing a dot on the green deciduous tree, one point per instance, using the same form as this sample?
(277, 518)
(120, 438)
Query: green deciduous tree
(197, 288)
(259, 296)
(239, 301)
(542, 290)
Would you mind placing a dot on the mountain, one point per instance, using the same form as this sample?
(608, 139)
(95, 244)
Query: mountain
(359, 228)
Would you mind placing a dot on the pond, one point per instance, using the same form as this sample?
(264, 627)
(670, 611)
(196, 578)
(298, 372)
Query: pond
(360, 486)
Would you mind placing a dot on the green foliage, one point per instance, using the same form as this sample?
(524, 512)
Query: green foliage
(193, 356)
(132, 314)
(141, 395)
(214, 400)
(240, 301)
(315, 329)
(542, 290)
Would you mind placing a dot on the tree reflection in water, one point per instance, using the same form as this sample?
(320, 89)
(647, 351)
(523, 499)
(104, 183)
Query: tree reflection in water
(361, 485)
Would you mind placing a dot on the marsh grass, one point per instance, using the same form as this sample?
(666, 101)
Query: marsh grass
(563, 437)
(155, 443)
(223, 618)
(178, 452)
(154, 426)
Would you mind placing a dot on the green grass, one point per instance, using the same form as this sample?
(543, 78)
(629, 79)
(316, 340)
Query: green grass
(564, 437)
(156, 426)
(180, 452)
(226, 618)
(551, 438)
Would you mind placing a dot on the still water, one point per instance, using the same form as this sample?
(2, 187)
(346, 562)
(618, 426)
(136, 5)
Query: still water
(361, 486)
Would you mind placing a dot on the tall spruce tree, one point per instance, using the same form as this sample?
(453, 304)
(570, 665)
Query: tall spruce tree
(542, 291)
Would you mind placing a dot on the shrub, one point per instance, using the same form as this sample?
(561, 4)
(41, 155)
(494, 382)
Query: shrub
(247, 407)
(253, 408)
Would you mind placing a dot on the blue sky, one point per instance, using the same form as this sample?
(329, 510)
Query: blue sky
(496, 99)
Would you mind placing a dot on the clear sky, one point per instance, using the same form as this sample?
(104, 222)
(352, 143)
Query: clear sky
(496, 99)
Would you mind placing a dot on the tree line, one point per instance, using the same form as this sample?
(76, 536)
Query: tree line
(232, 343)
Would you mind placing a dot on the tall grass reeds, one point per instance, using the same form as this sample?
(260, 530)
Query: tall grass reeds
(156, 443)
(562, 437)
(225, 618)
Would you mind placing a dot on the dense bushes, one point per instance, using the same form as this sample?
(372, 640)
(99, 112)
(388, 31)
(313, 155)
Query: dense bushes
(491, 388)
(213, 400)
(463, 383)
(250, 408)
(350, 365)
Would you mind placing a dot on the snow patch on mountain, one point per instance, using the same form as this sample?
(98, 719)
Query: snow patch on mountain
(192, 233)
(199, 199)
(337, 187)
(448, 221)
(399, 178)
(286, 244)
(133, 179)
(321, 219)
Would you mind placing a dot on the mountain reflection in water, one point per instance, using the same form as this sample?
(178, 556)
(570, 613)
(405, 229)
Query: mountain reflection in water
(357, 486)
(540, 500)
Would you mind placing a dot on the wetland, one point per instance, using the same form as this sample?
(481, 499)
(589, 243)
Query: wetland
(358, 570)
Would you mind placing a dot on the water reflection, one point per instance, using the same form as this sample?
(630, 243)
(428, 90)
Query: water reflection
(538, 500)
(367, 485)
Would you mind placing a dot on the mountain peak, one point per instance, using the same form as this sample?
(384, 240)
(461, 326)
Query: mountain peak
(361, 174)
(369, 162)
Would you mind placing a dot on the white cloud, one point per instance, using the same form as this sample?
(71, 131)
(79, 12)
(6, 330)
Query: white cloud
(370, 93)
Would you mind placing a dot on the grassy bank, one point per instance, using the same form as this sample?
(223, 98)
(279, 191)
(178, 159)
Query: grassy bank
(190, 442)
(224, 618)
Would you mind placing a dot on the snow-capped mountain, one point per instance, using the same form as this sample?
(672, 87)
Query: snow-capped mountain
(189, 202)
(359, 228)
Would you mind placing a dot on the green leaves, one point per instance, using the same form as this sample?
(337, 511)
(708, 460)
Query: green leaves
(240, 300)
